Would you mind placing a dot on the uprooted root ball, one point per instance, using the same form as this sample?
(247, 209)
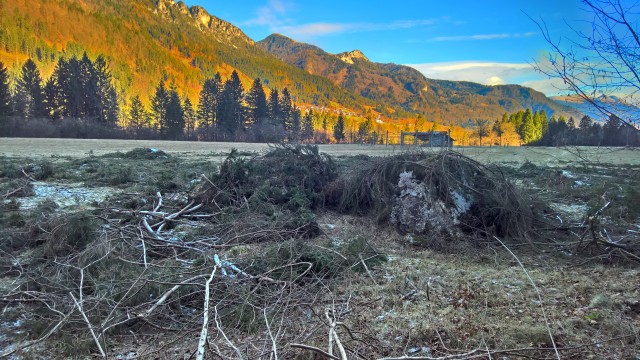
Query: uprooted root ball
(440, 194)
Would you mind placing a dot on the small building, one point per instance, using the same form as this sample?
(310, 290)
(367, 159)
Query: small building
(429, 138)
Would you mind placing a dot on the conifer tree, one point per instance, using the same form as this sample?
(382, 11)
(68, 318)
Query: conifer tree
(274, 106)
(544, 123)
(72, 87)
(53, 101)
(528, 127)
(6, 108)
(106, 98)
(307, 126)
(5, 94)
(208, 105)
(338, 129)
(175, 116)
(586, 122)
(189, 118)
(230, 110)
(296, 125)
(159, 108)
(286, 109)
(258, 110)
(29, 93)
(89, 90)
(138, 118)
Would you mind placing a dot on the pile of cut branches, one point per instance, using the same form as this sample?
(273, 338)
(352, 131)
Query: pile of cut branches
(437, 194)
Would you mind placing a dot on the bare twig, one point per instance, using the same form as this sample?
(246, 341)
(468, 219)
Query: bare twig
(205, 321)
(274, 345)
(314, 349)
(86, 320)
(544, 314)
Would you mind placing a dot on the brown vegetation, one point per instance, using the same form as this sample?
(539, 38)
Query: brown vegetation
(248, 258)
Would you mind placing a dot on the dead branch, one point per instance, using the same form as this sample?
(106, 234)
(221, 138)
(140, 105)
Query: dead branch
(333, 336)
(86, 320)
(41, 339)
(544, 314)
(314, 349)
(469, 355)
(224, 335)
(205, 312)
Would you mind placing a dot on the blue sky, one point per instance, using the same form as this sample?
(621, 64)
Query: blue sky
(490, 42)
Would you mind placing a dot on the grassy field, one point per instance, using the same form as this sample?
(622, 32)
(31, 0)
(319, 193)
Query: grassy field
(109, 236)
(77, 148)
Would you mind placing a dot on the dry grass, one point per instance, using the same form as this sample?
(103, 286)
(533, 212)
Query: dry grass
(419, 302)
(20, 147)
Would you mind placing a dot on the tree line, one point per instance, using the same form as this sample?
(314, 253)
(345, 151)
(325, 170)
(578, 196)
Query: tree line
(79, 99)
(535, 128)
(82, 90)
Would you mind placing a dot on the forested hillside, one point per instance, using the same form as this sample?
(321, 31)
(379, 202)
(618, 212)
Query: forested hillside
(405, 88)
(146, 41)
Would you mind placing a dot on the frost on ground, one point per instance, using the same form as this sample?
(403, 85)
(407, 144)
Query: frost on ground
(65, 195)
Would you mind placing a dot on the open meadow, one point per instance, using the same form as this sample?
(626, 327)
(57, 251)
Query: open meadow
(546, 156)
(157, 249)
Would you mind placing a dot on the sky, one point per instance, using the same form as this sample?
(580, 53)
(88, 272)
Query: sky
(486, 41)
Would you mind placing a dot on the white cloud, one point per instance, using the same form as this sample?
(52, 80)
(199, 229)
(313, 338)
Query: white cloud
(323, 28)
(551, 87)
(271, 14)
(491, 73)
(314, 29)
(274, 15)
(482, 37)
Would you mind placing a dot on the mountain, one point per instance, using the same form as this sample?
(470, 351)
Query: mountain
(399, 86)
(149, 40)
(619, 106)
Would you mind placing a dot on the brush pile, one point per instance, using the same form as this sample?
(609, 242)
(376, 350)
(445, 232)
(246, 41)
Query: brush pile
(437, 195)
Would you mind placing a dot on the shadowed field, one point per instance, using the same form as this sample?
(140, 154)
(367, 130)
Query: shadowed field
(27, 147)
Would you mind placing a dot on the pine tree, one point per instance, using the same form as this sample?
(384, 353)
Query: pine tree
(258, 110)
(274, 107)
(5, 94)
(286, 109)
(338, 129)
(307, 126)
(544, 123)
(189, 119)
(90, 92)
(365, 128)
(208, 105)
(230, 110)
(138, 118)
(73, 87)
(175, 116)
(296, 125)
(586, 122)
(537, 126)
(159, 108)
(107, 98)
(53, 101)
(497, 127)
(29, 93)
(528, 127)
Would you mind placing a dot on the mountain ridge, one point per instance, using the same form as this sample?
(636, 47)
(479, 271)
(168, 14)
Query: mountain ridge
(403, 86)
(147, 41)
